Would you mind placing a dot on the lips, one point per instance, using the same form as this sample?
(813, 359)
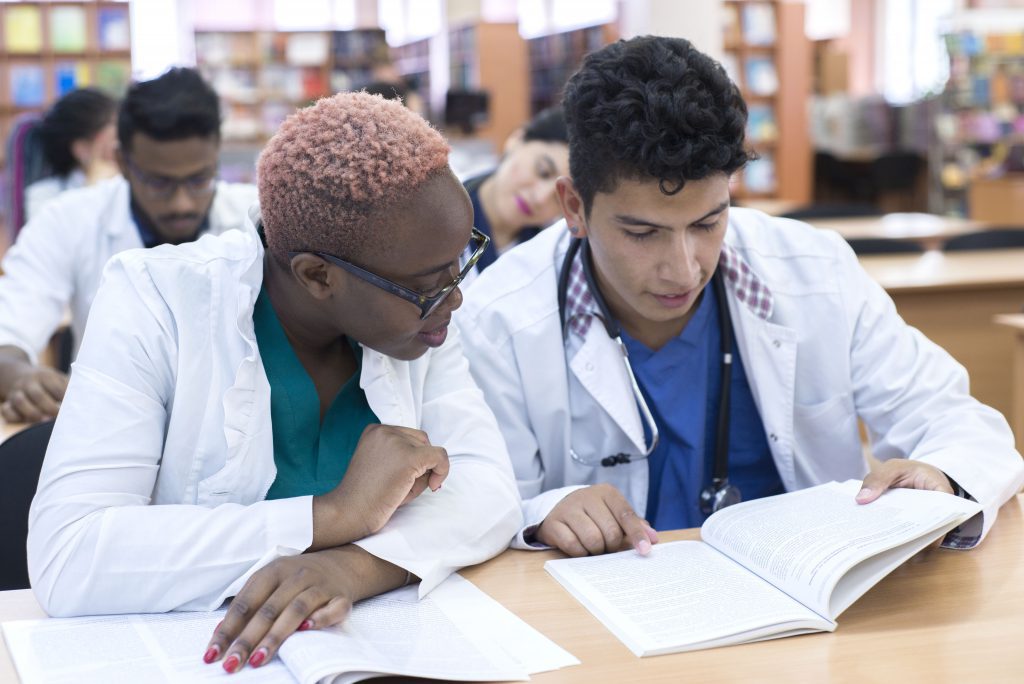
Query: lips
(524, 207)
(435, 337)
(675, 301)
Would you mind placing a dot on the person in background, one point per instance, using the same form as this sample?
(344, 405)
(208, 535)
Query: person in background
(517, 199)
(661, 355)
(276, 401)
(168, 132)
(79, 137)
(388, 90)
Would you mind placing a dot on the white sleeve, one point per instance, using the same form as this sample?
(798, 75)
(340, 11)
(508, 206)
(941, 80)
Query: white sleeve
(915, 400)
(96, 543)
(476, 512)
(494, 370)
(37, 282)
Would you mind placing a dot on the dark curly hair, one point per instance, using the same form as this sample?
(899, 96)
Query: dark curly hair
(652, 107)
(178, 104)
(79, 115)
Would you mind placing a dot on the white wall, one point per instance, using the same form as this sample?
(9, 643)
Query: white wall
(699, 21)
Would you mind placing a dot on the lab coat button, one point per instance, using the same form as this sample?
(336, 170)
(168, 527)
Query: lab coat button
(776, 344)
(590, 366)
(774, 437)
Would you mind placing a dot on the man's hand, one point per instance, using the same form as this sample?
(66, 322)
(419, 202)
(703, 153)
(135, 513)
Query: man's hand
(34, 395)
(902, 473)
(391, 467)
(309, 591)
(596, 520)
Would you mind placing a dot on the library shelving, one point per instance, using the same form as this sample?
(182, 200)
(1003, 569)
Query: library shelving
(263, 76)
(412, 61)
(492, 57)
(768, 55)
(980, 161)
(50, 48)
(556, 57)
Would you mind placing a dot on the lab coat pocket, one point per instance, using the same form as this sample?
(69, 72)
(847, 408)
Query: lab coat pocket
(826, 441)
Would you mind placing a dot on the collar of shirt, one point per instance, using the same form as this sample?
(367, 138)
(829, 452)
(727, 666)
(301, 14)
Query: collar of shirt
(580, 307)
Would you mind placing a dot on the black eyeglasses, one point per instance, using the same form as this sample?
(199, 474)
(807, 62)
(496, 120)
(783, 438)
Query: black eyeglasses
(427, 303)
(162, 187)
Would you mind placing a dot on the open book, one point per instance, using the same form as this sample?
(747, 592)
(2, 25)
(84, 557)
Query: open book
(769, 568)
(456, 633)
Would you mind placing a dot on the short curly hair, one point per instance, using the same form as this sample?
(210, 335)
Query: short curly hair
(333, 168)
(652, 107)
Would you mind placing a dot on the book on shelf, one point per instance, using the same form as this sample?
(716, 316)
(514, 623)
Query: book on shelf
(113, 76)
(759, 174)
(761, 126)
(456, 633)
(27, 85)
(769, 568)
(113, 29)
(67, 28)
(68, 76)
(759, 23)
(23, 29)
(307, 48)
(761, 76)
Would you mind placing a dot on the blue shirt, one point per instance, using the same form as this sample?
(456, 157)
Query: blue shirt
(682, 385)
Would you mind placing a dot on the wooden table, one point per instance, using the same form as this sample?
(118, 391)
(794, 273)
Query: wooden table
(952, 298)
(1016, 415)
(945, 616)
(929, 230)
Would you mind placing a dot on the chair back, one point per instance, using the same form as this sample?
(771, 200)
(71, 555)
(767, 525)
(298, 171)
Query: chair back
(21, 459)
(26, 163)
(994, 238)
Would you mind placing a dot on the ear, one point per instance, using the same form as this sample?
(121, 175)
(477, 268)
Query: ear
(514, 140)
(572, 206)
(313, 274)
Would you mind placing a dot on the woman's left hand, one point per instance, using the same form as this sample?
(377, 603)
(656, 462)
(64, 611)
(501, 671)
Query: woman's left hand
(308, 591)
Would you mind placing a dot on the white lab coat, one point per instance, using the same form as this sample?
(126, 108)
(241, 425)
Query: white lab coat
(151, 497)
(46, 189)
(834, 348)
(58, 259)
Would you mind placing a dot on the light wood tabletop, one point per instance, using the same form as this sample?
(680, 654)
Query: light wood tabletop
(953, 616)
(932, 271)
(929, 230)
(1015, 323)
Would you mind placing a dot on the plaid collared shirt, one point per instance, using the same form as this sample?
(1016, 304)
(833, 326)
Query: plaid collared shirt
(580, 307)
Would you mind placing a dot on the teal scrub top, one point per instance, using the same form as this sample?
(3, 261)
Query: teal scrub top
(311, 456)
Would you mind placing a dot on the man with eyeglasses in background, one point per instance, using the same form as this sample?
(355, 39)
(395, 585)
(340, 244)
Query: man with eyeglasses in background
(168, 132)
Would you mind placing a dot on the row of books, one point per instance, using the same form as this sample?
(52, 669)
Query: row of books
(751, 23)
(755, 74)
(68, 29)
(27, 83)
(277, 82)
(299, 48)
(971, 44)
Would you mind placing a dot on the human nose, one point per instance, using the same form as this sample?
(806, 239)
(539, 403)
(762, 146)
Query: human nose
(181, 200)
(679, 264)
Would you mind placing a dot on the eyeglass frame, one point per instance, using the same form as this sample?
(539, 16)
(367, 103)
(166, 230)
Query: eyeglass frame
(427, 304)
(149, 180)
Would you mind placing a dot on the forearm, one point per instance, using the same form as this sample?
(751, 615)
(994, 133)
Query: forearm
(333, 524)
(13, 364)
(369, 575)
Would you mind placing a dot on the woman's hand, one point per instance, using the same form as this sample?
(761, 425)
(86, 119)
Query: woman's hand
(309, 591)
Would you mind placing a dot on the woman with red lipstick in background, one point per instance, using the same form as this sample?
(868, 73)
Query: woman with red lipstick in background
(260, 415)
(517, 200)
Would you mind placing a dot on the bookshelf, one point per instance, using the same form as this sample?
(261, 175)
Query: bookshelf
(50, 48)
(263, 76)
(412, 61)
(769, 57)
(492, 57)
(979, 162)
(556, 57)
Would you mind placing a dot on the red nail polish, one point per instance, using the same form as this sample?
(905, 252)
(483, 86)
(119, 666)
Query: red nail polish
(231, 664)
(211, 654)
(258, 657)
(306, 624)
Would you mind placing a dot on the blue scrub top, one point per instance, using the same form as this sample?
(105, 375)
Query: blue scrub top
(682, 385)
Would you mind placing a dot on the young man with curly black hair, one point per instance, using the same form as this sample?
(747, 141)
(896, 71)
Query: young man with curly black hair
(754, 343)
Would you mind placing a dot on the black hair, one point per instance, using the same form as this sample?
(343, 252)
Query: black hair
(388, 90)
(652, 108)
(79, 115)
(178, 104)
(548, 125)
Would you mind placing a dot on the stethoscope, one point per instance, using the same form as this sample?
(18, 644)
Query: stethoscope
(720, 493)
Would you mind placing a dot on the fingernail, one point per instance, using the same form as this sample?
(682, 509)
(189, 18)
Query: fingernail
(258, 657)
(864, 493)
(306, 624)
(211, 654)
(232, 663)
(644, 547)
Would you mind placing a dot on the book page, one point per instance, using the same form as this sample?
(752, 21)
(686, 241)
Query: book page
(682, 596)
(805, 541)
(156, 648)
(396, 633)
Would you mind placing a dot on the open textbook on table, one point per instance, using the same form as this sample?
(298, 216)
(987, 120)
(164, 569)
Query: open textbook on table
(456, 633)
(769, 568)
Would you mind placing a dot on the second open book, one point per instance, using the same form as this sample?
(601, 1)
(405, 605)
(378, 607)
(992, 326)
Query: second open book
(769, 568)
